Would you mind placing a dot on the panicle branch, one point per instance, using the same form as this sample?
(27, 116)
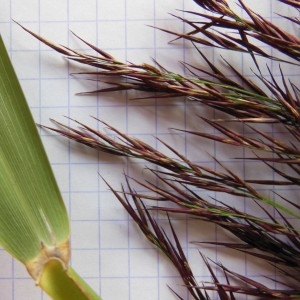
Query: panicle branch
(256, 26)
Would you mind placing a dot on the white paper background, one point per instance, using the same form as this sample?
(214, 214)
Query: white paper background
(107, 249)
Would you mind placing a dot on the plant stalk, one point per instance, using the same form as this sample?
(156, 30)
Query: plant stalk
(63, 283)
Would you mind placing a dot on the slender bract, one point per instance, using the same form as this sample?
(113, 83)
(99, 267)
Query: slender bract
(34, 225)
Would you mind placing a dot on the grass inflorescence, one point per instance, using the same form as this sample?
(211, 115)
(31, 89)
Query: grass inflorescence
(272, 237)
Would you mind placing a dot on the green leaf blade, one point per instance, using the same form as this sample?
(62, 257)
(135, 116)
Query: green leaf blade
(32, 209)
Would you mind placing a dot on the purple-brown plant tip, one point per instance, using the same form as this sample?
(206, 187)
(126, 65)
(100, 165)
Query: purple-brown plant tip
(255, 27)
(270, 99)
(294, 3)
(215, 5)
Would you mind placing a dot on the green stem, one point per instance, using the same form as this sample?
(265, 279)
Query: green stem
(64, 284)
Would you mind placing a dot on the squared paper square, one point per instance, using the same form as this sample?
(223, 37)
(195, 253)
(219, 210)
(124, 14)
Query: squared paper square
(84, 206)
(85, 235)
(110, 208)
(25, 10)
(5, 11)
(143, 263)
(53, 145)
(141, 120)
(31, 89)
(144, 288)
(84, 177)
(145, 35)
(140, 10)
(170, 116)
(79, 12)
(47, 113)
(26, 64)
(54, 10)
(19, 271)
(114, 263)
(112, 173)
(6, 287)
(109, 290)
(61, 173)
(87, 261)
(113, 9)
(54, 93)
(114, 234)
(115, 116)
(111, 35)
(163, 9)
(6, 265)
(140, 56)
(53, 65)
(25, 289)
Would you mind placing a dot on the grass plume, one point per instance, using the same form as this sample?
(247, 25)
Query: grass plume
(272, 238)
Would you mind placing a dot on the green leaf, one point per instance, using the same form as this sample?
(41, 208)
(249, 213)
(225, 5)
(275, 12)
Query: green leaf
(34, 225)
(32, 210)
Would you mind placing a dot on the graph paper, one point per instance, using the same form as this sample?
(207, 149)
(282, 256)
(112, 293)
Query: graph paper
(107, 248)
